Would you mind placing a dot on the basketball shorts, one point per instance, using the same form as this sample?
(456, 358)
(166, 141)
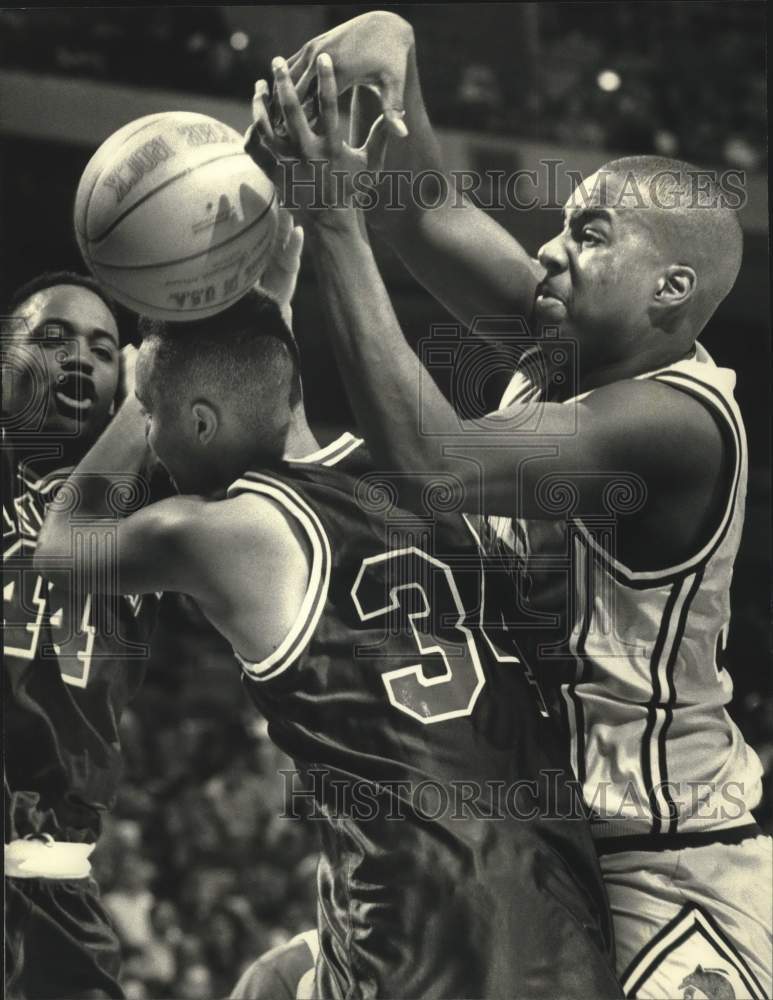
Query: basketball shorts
(694, 922)
(59, 941)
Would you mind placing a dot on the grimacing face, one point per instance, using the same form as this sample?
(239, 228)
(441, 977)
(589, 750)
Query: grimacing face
(601, 270)
(64, 358)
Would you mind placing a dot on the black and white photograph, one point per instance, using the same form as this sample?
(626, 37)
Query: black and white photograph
(386, 419)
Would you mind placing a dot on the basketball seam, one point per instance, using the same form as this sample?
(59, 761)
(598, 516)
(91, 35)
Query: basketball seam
(170, 180)
(168, 309)
(193, 256)
(154, 120)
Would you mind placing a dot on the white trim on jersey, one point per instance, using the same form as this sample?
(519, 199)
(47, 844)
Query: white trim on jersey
(664, 695)
(692, 922)
(689, 383)
(574, 708)
(314, 599)
(332, 453)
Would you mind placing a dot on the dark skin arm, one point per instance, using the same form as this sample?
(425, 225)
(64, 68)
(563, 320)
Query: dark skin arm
(664, 438)
(461, 255)
(241, 559)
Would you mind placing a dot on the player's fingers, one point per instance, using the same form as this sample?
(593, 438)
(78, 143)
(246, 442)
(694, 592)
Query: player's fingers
(295, 120)
(300, 66)
(261, 131)
(284, 229)
(295, 243)
(260, 113)
(259, 98)
(328, 97)
(305, 78)
(376, 143)
(392, 106)
(259, 148)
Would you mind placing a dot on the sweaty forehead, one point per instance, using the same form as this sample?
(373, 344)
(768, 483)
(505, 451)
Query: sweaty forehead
(608, 191)
(75, 305)
(622, 201)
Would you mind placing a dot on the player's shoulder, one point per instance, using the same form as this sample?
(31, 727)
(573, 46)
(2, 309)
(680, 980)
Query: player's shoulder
(262, 509)
(637, 410)
(282, 973)
(249, 528)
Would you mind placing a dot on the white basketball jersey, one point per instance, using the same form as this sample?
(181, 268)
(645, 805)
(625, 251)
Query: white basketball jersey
(652, 743)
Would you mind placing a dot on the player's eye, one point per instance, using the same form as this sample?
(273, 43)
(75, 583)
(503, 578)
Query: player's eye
(590, 237)
(104, 353)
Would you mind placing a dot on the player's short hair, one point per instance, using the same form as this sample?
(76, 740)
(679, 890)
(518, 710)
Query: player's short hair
(241, 353)
(670, 183)
(49, 279)
(697, 218)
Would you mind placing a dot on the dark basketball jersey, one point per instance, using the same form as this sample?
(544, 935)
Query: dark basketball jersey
(71, 664)
(453, 860)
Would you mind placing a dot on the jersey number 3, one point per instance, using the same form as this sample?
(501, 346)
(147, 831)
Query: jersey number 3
(413, 578)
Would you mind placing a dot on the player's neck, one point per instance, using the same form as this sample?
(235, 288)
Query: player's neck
(647, 360)
(300, 440)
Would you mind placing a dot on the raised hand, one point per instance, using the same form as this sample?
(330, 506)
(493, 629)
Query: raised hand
(333, 175)
(281, 275)
(370, 50)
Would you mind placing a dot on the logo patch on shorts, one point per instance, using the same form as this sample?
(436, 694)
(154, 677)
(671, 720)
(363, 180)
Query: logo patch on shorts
(693, 959)
(713, 984)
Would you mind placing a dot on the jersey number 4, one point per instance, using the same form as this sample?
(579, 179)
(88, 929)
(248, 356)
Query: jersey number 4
(36, 604)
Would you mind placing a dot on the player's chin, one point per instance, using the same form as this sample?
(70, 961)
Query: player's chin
(547, 307)
(73, 422)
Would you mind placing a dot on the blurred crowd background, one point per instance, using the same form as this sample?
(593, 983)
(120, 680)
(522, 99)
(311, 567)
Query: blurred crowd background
(687, 81)
(206, 863)
(200, 873)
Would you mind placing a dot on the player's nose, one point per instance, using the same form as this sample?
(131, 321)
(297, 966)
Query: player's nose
(552, 254)
(72, 360)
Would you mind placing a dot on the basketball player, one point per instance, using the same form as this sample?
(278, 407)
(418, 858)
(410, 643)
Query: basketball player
(635, 274)
(284, 973)
(362, 639)
(72, 662)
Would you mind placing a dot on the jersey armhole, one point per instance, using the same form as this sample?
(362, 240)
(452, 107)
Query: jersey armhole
(305, 518)
(733, 437)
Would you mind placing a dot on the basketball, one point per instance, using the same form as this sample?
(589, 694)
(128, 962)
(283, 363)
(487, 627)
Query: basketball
(174, 218)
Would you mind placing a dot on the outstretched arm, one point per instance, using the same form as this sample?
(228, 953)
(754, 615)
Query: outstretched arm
(241, 559)
(94, 530)
(460, 254)
(641, 428)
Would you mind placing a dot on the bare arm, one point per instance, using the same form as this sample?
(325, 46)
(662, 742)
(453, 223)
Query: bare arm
(241, 559)
(410, 426)
(87, 530)
(636, 438)
(460, 254)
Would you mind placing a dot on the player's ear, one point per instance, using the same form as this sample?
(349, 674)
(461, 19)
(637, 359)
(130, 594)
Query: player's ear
(676, 285)
(205, 421)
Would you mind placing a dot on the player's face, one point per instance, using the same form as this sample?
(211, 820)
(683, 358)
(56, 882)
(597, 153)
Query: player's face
(64, 362)
(601, 272)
